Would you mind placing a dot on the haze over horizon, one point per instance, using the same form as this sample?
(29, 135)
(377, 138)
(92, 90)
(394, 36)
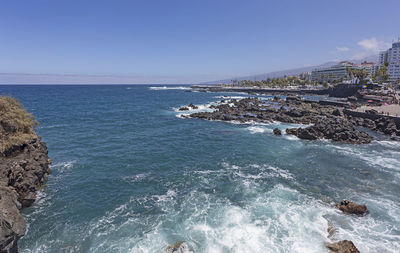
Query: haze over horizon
(184, 41)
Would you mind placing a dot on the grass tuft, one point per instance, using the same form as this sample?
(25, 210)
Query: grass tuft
(16, 124)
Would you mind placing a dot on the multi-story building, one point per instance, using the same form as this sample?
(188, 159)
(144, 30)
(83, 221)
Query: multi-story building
(383, 57)
(392, 57)
(334, 73)
(368, 66)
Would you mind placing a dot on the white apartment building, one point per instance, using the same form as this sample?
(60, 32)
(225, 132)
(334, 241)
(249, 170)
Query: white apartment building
(339, 71)
(334, 73)
(392, 56)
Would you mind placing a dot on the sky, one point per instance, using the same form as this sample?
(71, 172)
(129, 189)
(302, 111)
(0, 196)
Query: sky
(184, 41)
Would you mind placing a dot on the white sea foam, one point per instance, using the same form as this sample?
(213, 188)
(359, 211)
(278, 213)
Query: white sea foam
(275, 219)
(200, 108)
(375, 158)
(62, 167)
(257, 129)
(230, 97)
(169, 88)
(282, 225)
(137, 178)
(52, 126)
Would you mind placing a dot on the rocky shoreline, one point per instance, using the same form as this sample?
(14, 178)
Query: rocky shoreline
(326, 120)
(24, 167)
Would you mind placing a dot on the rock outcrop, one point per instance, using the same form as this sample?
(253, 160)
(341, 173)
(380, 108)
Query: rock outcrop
(336, 131)
(328, 121)
(178, 247)
(277, 131)
(344, 246)
(193, 106)
(352, 208)
(24, 166)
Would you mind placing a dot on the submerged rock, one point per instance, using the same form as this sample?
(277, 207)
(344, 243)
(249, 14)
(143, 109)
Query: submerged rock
(178, 247)
(344, 246)
(352, 208)
(277, 131)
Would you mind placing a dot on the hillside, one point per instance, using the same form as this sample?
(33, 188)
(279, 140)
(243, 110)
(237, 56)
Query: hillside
(289, 72)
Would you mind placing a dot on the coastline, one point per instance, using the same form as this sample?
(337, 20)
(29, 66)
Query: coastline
(24, 168)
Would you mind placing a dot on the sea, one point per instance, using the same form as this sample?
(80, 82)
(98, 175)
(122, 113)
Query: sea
(129, 174)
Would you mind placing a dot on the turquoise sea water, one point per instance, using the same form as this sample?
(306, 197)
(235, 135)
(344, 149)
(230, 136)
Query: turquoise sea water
(129, 175)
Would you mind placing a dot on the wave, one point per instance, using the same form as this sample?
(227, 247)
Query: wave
(51, 126)
(169, 88)
(258, 129)
(269, 223)
(387, 159)
(248, 217)
(63, 166)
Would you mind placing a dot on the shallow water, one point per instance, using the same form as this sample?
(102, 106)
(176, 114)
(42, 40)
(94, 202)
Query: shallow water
(128, 175)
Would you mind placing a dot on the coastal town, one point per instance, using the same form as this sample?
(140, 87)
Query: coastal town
(346, 103)
(368, 91)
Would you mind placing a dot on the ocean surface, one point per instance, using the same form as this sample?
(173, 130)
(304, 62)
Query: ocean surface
(130, 175)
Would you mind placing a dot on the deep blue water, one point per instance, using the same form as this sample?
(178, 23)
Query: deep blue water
(129, 175)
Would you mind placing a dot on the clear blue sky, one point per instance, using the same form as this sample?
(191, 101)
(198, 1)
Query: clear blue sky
(188, 41)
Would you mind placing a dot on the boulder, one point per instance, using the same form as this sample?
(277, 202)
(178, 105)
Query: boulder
(331, 230)
(295, 113)
(12, 224)
(337, 112)
(386, 126)
(352, 208)
(344, 246)
(178, 247)
(193, 106)
(293, 98)
(372, 111)
(368, 123)
(277, 131)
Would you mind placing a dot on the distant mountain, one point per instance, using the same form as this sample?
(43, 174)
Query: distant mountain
(291, 72)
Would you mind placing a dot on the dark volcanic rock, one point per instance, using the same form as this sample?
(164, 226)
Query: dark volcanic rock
(277, 131)
(337, 112)
(295, 113)
(12, 224)
(178, 247)
(344, 246)
(328, 119)
(372, 111)
(22, 172)
(293, 98)
(184, 108)
(386, 126)
(352, 208)
(332, 130)
(193, 106)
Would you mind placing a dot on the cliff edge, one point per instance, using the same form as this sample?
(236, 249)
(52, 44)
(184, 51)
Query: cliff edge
(24, 166)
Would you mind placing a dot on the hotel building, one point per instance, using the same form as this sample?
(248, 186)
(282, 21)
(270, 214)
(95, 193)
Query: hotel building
(392, 57)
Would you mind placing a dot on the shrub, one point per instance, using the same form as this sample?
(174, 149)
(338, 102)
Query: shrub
(16, 124)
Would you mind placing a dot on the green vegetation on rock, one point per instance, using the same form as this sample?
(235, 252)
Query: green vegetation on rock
(16, 124)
